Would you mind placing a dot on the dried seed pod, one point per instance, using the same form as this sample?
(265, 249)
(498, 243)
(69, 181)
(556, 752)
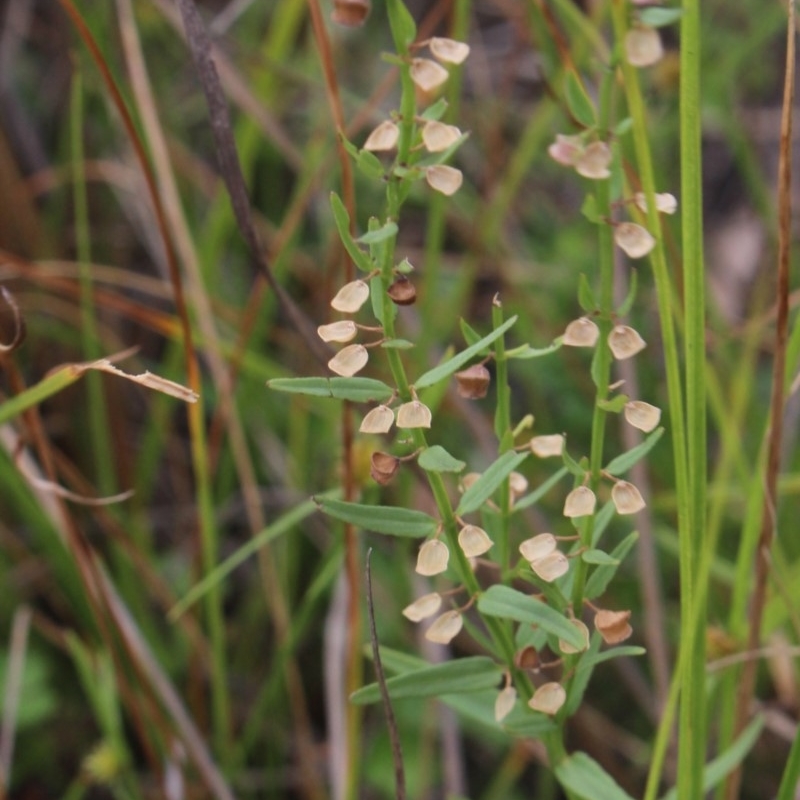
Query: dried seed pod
(528, 658)
(581, 332)
(427, 74)
(551, 567)
(613, 626)
(474, 541)
(548, 698)
(546, 446)
(665, 202)
(517, 484)
(377, 420)
(448, 50)
(342, 331)
(383, 138)
(580, 502)
(383, 467)
(566, 150)
(537, 547)
(423, 607)
(642, 415)
(351, 297)
(568, 649)
(402, 292)
(643, 46)
(349, 360)
(473, 382)
(350, 13)
(413, 415)
(625, 342)
(432, 558)
(445, 628)
(593, 163)
(627, 498)
(635, 240)
(444, 179)
(505, 702)
(438, 136)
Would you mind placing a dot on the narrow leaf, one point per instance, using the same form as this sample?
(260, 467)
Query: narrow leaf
(489, 481)
(381, 234)
(381, 519)
(601, 577)
(342, 220)
(586, 296)
(591, 660)
(599, 557)
(578, 102)
(357, 390)
(437, 459)
(526, 352)
(540, 492)
(659, 17)
(582, 775)
(621, 464)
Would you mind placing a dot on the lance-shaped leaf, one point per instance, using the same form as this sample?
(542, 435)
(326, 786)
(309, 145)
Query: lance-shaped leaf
(584, 777)
(453, 677)
(578, 101)
(483, 488)
(503, 601)
(455, 363)
(621, 464)
(602, 575)
(386, 231)
(381, 519)
(342, 220)
(437, 459)
(357, 390)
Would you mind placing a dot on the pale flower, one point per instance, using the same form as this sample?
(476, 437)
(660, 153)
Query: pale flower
(349, 360)
(594, 161)
(642, 415)
(448, 50)
(665, 202)
(548, 698)
(643, 46)
(342, 331)
(635, 240)
(351, 297)
(444, 179)
(566, 150)
(423, 607)
(537, 547)
(547, 446)
(551, 567)
(445, 628)
(581, 332)
(377, 420)
(432, 558)
(474, 541)
(384, 137)
(625, 342)
(504, 704)
(437, 136)
(427, 74)
(413, 415)
(568, 649)
(627, 498)
(580, 502)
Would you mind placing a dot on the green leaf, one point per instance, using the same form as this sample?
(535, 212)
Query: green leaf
(437, 459)
(601, 577)
(398, 344)
(539, 492)
(591, 660)
(578, 102)
(381, 519)
(436, 111)
(615, 405)
(623, 126)
(342, 220)
(625, 307)
(621, 464)
(524, 723)
(599, 557)
(582, 775)
(357, 390)
(586, 297)
(503, 601)
(489, 481)
(471, 336)
(386, 231)
(452, 365)
(469, 674)
(404, 29)
(525, 352)
(659, 17)
(369, 165)
(571, 464)
(589, 210)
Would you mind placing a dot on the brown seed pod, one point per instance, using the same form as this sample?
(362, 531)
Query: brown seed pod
(402, 292)
(350, 13)
(473, 382)
(383, 467)
(528, 658)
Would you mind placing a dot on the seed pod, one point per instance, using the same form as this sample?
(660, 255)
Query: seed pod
(402, 292)
(517, 484)
(643, 46)
(350, 13)
(432, 558)
(383, 467)
(627, 498)
(548, 698)
(427, 74)
(580, 502)
(593, 162)
(635, 240)
(568, 649)
(537, 547)
(566, 150)
(342, 331)
(581, 332)
(448, 50)
(528, 658)
(349, 360)
(474, 541)
(665, 202)
(351, 297)
(473, 382)
(613, 626)
(445, 628)
(546, 446)
(438, 136)
(413, 415)
(377, 420)
(551, 567)
(504, 704)
(423, 607)
(642, 415)
(625, 342)
(444, 179)
(383, 138)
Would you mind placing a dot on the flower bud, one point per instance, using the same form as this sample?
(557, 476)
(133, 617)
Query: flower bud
(349, 360)
(444, 179)
(548, 698)
(423, 607)
(377, 420)
(445, 628)
(448, 50)
(413, 415)
(665, 202)
(402, 292)
(438, 136)
(626, 498)
(473, 382)
(504, 704)
(635, 240)
(625, 342)
(642, 415)
(566, 150)
(581, 332)
(613, 626)
(546, 446)
(383, 138)
(643, 46)
(594, 161)
(350, 13)
(342, 331)
(568, 649)
(538, 547)
(474, 541)
(580, 502)
(351, 297)
(551, 567)
(383, 467)
(427, 74)
(432, 558)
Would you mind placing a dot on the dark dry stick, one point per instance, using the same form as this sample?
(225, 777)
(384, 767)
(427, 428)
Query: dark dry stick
(394, 737)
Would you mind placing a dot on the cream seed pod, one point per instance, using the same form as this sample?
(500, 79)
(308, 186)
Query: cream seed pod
(349, 360)
(635, 240)
(580, 502)
(627, 498)
(437, 136)
(568, 649)
(413, 415)
(443, 179)
(566, 150)
(613, 626)
(548, 698)
(642, 415)
(351, 297)
(448, 51)
(445, 628)
(423, 607)
(517, 484)
(665, 202)
(474, 541)
(593, 163)
(342, 331)
(643, 46)
(581, 332)
(547, 446)
(427, 74)
(377, 420)
(538, 547)
(383, 138)
(625, 342)
(505, 702)
(432, 558)
(552, 567)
